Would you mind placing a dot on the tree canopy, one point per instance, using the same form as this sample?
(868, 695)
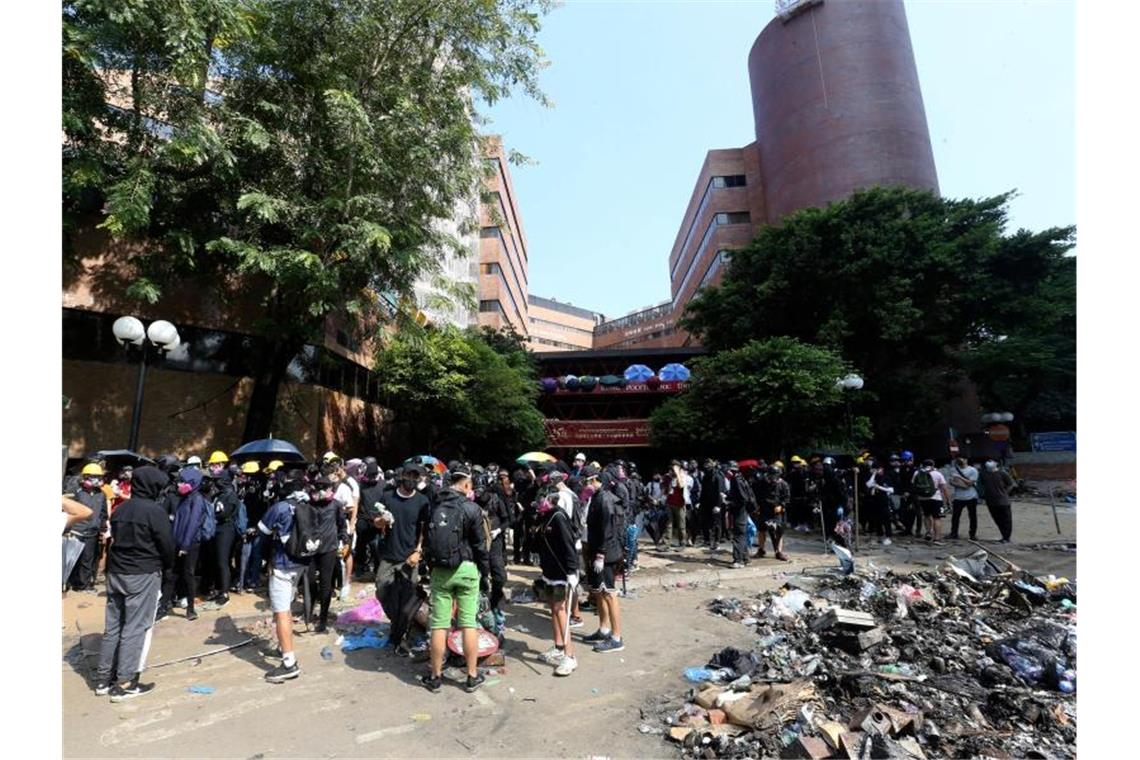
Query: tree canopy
(462, 393)
(771, 396)
(918, 292)
(308, 147)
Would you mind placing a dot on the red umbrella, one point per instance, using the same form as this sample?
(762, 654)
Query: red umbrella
(748, 464)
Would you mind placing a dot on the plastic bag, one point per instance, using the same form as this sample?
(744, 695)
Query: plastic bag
(751, 532)
(796, 599)
(846, 559)
(372, 638)
(368, 612)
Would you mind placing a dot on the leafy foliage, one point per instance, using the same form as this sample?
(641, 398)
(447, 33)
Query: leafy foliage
(916, 291)
(460, 392)
(311, 146)
(769, 395)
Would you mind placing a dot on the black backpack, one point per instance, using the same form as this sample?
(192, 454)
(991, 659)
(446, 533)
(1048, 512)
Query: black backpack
(747, 495)
(924, 487)
(444, 537)
(304, 539)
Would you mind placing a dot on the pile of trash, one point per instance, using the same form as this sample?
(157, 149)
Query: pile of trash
(977, 658)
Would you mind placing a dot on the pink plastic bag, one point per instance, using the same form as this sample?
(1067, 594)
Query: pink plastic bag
(368, 612)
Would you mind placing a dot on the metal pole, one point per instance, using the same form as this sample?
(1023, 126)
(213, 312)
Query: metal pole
(855, 491)
(136, 415)
(1053, 504)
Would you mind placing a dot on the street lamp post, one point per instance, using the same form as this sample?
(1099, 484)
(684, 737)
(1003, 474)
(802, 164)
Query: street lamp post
(850, 383)
(163, 336)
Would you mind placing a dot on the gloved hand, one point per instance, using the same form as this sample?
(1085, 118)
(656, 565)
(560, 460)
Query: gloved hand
(495, 533)
(572, 580)
(599, 563)
(716, 510)
(839, 513)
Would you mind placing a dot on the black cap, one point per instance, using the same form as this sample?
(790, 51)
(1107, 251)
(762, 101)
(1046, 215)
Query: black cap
(459, 471)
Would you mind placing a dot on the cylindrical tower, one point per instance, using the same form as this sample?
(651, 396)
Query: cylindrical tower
(837, 105)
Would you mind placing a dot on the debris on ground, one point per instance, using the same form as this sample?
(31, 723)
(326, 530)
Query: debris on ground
(201, 689)
(976, 658)
(368, 638)
(368, 612)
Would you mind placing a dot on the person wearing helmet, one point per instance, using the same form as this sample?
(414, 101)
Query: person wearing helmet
(226, 506)
(579, 464)
(332, 529)
(772, 498)
(89, 494)
(249, 488)
(712, 499)
(910, 513)
(741, 503)
(194, 461)
(799, 509)
(216, 464)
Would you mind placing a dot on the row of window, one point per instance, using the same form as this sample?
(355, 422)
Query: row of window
(556, 343)
(715, 183)
(559, 326)
(498, 270)
(721, 258)
(732, 217)
(496, 233)
(636, 318)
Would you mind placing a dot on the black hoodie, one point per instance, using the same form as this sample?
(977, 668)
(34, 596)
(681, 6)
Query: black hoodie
(141, 538)
(227, 497)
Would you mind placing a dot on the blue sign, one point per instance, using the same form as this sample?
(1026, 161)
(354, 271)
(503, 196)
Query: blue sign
(1053, 441)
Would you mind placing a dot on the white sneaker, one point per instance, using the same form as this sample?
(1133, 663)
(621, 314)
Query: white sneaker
(567, 666)
(886, 542)
(552, 656)
(345, 592)
(181, 603)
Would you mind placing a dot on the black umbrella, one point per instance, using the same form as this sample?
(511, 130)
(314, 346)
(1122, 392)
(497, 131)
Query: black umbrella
(268, 448)
(116, 459)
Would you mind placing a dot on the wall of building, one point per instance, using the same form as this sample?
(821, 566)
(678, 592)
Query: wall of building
(555, 326)
(503, 251)
(837, 105)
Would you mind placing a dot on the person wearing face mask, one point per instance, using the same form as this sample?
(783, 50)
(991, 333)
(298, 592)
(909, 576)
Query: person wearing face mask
(348, 494)
(332, 530)
(996, 484)
(372, 487)
(90, 494)
(169, 499)
(498, 517)
(772, 497)
(399, 516)
(189, 530)
(121, 487)
(225, 505)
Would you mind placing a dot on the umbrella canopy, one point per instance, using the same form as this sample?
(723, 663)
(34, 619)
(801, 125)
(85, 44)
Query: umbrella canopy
(536, 456)
(610, 380)
(638, 373)
(429, 462)
(549, 384)
(268, 448)
(116, 458)
(674, 372)
(587, 383)
(570, 382)
(748, 464)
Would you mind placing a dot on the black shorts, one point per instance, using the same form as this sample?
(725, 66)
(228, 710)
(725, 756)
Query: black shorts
(603, 582)
(930, 507)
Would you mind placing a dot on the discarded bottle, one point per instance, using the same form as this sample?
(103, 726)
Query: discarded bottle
(326, 654)
(698, 675)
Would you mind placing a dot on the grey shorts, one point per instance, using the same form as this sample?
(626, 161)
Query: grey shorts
(282, 588)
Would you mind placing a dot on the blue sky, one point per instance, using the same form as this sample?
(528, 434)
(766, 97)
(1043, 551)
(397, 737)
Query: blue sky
(643, 89)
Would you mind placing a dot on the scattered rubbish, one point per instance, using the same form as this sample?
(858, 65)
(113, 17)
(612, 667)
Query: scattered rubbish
(846, 559)
(371, 638)
(645, 728)
(521, 596)
(421, 717)
(201, 689)
(974, 659)
(593, 691)
(363, 614)
(339, 641)
(522, 629)
(326, 654)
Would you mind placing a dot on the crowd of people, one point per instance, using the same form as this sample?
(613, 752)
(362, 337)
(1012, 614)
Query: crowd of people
(177, 531)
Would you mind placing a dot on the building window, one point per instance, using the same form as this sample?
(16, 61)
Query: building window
(491, 307)
(731, 217)
(731, 180)
(490, 232)
(490, 269)
(734, 217)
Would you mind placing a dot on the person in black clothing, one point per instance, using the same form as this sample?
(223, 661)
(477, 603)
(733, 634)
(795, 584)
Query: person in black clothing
(772, 498)
(499, 518)
(372, 487)
(526, 491)
(741, 503)
(911, 515)
(170, 499)
(142, 546)
(604, 551)
(834, 495)
(714, 491)
(799, 511)
(398, 515)
(879, 491)
(332, 529)
(558, 558)
(89, 494)
(226, 504)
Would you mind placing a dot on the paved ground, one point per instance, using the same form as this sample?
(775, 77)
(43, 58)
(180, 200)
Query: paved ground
(364, 704)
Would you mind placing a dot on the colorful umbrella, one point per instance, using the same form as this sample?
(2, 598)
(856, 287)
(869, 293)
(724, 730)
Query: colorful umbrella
(638, 373)
(429, 462)
(536, 456)
(674, 372)
(610, 380)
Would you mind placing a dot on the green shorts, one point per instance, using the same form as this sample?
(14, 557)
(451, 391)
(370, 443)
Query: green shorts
(450, 586)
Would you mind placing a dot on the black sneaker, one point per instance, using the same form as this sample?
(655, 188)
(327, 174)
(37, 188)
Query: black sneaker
(474, 683)
(161, 613)
(432, 684)
(595, 637)
(120, 693)
(272, 652)
(191, 615)
(102, 688)
(222, 600)
(283, 673)
(321, 628)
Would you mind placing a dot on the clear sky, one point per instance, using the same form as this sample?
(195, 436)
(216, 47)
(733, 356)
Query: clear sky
(642, 90)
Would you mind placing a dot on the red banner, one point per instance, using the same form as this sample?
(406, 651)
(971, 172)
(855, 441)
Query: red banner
(672, 386)
(586, 433)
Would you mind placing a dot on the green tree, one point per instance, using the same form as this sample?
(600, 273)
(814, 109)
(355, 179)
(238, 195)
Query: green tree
(304, 148)
(915, 290)
(768, 396)
(455, 394)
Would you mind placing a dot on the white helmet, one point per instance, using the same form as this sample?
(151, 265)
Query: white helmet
(579, 457)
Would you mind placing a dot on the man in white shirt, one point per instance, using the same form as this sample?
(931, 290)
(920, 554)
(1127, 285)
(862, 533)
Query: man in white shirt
(348, 494)
(964, 479)
(931, 490)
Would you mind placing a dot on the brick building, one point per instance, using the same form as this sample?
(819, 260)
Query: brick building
(557, 326)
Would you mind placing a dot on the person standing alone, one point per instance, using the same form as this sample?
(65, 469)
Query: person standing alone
(964, 479)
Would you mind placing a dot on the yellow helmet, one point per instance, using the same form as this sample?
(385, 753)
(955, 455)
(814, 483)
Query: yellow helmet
(798, 460)
(218, 457)
(93, 469)
(778, 463)
(275, 465)
(250, 467)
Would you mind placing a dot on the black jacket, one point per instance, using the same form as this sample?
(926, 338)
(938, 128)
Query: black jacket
(740, 495)
(556, 553)
(603, 527)
(713, 489)
(142, 541)
(228, 498)
(496, 509)
(331, 524)
(97, 502)
(473, 545)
